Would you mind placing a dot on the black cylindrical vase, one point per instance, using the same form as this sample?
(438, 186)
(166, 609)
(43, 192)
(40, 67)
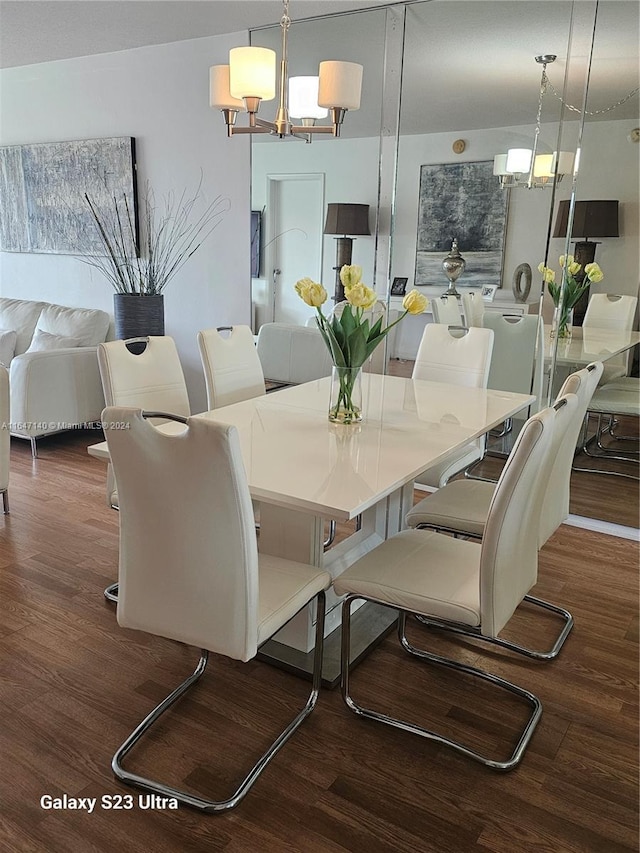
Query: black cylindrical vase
(138, 316)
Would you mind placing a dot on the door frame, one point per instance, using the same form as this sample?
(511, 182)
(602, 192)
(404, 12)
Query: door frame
(274, 184)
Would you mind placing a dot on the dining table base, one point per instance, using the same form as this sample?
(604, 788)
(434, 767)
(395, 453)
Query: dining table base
(370, 624)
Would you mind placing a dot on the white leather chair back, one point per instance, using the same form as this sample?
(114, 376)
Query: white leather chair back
(376, 363)
(473, 308)
(457, 357)
(152, 379)
(5, 444)
(446, 310)
(509, 555)
(292, 354)
(555, 506)
(232, 369)
(608, 311)
(514, 366)
(188, 553)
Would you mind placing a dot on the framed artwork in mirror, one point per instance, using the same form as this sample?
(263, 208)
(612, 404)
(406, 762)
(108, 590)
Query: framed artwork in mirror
(256, 228)
(463, 202)
(399, 286)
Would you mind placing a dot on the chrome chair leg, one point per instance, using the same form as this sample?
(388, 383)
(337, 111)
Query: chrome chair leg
(34, 448)
(508, 644)
(213, 806)
(111, 592)
(328, 542)
(5, 502)
(367, 713)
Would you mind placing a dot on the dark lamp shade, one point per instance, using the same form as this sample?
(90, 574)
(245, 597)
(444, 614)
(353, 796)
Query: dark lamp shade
(590, 219)
(347, 219)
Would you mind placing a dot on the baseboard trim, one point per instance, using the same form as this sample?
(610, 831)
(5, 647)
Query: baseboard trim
(606, 527)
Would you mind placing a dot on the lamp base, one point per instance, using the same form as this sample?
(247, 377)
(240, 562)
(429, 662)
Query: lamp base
(344, 250)
(584, 253)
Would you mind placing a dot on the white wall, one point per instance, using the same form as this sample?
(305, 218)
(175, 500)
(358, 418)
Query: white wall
(160, 96)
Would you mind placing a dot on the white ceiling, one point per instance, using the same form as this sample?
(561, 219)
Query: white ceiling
(33, 31)
(468, 63)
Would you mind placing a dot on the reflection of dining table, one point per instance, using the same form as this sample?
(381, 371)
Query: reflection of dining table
(588, 344)
(303, 470)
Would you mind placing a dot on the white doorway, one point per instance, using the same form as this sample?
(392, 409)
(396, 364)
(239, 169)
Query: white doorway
(294, 237)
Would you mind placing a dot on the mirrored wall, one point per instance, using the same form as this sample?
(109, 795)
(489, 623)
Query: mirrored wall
(447, 84)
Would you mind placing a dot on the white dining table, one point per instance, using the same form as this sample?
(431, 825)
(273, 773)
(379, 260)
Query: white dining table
(304, 470)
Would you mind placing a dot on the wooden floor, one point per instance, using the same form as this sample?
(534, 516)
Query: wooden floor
(74, 685)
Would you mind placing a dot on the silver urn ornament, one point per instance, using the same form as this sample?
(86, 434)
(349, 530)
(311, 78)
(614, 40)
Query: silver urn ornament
(453, 266)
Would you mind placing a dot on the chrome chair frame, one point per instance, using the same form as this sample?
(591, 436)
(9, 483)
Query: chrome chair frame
(217, 806)
(494, 764)
(475, 634)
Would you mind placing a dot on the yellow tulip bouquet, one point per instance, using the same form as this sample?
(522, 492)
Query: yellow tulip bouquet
(574, 290)
(351, 337)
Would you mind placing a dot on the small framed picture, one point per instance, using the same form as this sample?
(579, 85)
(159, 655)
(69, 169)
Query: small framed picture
(488, 292)
(399, 286)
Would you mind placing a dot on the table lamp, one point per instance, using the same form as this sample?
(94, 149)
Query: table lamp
(349, 220)
(590, 219)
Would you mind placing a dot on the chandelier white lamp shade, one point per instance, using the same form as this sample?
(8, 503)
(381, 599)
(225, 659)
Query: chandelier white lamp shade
(252, 73)
(525, 167)
(251, 79)
(303, 99)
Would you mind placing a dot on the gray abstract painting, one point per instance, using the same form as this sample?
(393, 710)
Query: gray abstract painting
(461, 201)
(42, 189)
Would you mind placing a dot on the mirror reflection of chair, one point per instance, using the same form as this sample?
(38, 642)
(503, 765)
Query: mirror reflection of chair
(446, 310)
(232, 369)
(5, 440)
(462, 506)
(458, 356)
(151, 378)
(476, 587)
(190, 569)
(473, 308)
(621, 397)
(514, 366)
(291, 355)
(610, 311)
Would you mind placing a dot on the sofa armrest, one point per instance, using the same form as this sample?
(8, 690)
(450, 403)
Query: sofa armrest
(54, 390)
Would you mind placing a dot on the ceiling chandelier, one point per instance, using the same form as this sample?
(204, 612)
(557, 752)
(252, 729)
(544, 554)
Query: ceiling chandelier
(525, 167)
(250, 78)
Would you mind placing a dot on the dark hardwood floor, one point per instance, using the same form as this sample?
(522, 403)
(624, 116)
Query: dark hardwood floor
(74, 685)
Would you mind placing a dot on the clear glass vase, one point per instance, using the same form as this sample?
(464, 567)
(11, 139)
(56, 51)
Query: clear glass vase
(345, 406)
(562, 326)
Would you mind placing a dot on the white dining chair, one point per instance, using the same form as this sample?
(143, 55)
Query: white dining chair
(144, 372)
(446, 310)
(458, 356)
(232, 369)
(610, 311)
(190, 569)
(620, 397)
(462, 506)
(473, 308)
(5, 439)
(470, 586)
(291, 354)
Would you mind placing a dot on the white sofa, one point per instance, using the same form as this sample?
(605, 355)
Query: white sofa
(54, 379)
